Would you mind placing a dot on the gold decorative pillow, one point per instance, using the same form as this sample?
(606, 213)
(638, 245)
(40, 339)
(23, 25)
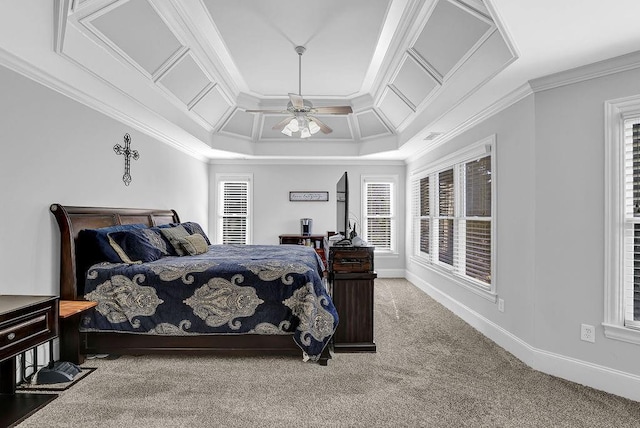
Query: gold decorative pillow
(174, 235)
(194, 244)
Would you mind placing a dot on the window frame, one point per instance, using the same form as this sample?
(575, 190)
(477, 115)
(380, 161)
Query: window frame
(233, 177)
(392, 180)
(455, 161)
(616, 113)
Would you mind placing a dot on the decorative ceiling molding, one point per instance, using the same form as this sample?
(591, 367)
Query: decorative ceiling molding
(376, 126)
(60, 13)
(189, 72)
(607, 67)
(503, 103)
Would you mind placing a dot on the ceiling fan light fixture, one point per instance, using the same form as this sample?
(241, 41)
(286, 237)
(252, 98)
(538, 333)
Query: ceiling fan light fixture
(304, 133)
(313, 127)
(294, 125)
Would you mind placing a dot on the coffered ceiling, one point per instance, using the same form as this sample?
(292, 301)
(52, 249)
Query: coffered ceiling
(187, 71)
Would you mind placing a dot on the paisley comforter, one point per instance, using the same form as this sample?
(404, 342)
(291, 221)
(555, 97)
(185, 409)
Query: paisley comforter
(231, 289)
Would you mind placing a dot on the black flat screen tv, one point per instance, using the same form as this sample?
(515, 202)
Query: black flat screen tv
(342, 203)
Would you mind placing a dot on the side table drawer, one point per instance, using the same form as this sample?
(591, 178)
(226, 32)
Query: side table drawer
(27, 330)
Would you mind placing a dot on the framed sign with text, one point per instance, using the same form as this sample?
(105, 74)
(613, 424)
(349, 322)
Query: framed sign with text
(299, 196)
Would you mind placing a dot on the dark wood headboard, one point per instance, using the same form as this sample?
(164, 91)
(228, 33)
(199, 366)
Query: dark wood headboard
(72, 220)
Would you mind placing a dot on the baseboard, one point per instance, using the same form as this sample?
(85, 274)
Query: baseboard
(390, 273)
(585, 373)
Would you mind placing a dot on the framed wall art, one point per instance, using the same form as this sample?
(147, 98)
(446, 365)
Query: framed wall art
(306, 196)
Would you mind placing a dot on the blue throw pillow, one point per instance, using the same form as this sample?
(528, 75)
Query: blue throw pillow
(94, 246)
(193, 228)
(134, 246)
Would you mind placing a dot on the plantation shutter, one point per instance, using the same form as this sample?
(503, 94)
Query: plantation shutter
(478, 219)
(632, 223)
(445, 217)
(235, 212)
(425, 212)
(379, 214)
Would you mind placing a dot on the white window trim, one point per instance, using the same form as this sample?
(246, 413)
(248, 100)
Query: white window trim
(616, 111)
(473, 151)
(230, 177)
(393, 180)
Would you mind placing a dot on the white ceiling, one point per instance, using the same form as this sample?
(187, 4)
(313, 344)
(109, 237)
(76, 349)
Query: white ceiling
(185, 72)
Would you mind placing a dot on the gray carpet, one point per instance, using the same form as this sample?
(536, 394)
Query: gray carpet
(431, 369)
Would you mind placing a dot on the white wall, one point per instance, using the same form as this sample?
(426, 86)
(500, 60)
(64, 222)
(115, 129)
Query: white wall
(54, 149)
(550, 235)
(570, 220)
(274, 214)
(514, 219)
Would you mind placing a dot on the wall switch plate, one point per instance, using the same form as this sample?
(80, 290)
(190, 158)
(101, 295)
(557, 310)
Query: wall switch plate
(501, 305)
(587, 333)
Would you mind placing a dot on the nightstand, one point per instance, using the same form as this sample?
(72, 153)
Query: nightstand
(70, 311)
(25, 322)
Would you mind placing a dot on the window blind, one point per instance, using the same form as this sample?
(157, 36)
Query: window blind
(452, 216)
(379, 214)
(632, 223)
(235, 204)
(445, 216)
(424, 214)
(477, 179)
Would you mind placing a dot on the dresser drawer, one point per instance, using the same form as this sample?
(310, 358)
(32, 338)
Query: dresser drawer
(351, 259)
(27, 328)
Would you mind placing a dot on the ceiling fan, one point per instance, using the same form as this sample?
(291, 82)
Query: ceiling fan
(303, 110)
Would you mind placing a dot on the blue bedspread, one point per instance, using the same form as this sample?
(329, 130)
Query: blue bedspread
(231, 289)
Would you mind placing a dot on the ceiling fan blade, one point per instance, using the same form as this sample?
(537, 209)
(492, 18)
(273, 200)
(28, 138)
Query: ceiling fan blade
(323, 127)
(280, 125)
(333, 110)
(297, 101)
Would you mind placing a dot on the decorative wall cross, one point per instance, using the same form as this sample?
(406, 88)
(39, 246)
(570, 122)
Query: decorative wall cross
(128, 154)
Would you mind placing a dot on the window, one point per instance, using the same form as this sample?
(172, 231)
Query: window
(378, 219)
(234, 209)
(622, 220)
(453, 216)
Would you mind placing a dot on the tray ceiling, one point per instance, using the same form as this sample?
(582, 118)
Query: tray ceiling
(415, 72)
(201, 64)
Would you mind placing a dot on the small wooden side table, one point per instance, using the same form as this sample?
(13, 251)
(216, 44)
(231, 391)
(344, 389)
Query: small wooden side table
(70, 311)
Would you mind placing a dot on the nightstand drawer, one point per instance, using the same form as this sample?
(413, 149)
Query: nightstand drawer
(28, 329)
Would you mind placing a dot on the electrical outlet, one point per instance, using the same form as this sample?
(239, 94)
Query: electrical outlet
(587, 333)
(501, 305)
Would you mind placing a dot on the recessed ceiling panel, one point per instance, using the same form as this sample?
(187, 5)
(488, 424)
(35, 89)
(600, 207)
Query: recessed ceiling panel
(340, 37)
(268, 122)
(370, 124)
(185, 80)
(448, 35)
(212, 107)
(240, 123)
(135, 28)
(394, 108)
(414, 81)
(340, 126)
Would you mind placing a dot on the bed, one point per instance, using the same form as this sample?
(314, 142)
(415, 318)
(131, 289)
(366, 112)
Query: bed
(229, 300)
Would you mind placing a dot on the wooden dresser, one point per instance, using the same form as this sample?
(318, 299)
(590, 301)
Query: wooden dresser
(25, 322)
(351, 279)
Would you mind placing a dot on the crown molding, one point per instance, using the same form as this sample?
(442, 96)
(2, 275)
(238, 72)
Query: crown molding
(322, 161)
(503, 103)
(25, 69)
(60, 11)
(603, 68)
